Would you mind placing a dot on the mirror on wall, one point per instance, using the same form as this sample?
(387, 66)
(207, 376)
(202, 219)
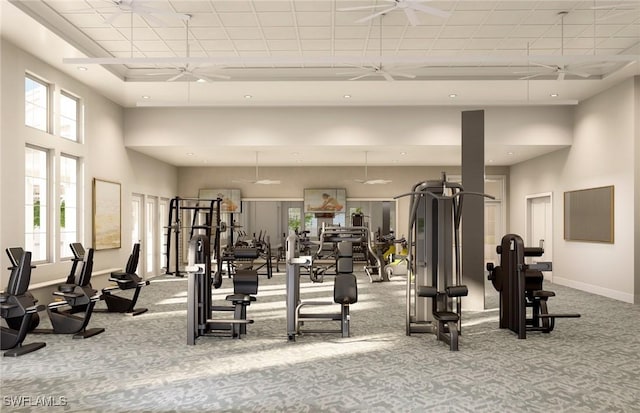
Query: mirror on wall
(277, 219)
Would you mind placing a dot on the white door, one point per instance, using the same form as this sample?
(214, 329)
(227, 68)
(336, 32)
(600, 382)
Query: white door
(137, 223)
(150, 250)
(540, 228)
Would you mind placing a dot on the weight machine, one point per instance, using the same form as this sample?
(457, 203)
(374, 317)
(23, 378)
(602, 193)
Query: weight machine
(520, 287)
(434, 275)
(204, 212)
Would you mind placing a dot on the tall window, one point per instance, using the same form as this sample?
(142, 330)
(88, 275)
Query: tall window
(69, 109)
(36, 182)
(36, 97)
(68, 223)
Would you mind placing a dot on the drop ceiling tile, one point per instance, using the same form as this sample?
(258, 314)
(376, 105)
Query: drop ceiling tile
(473, 18)
(238, 19)
(217, 45)
(190, 7)
(279, 33)
(139, 34)
(151, 46)
(457, 32)
(272, 6)
(276, 19)
(249, 45)
(493, 31)
(231, 6)
(315, 45)
(317, 32)
(90, 19)
(212, 33)
(282, 45)
(207, 20)
(351, 44)
(415, 44)
(310, 19)
(317, 6)
(244, 33)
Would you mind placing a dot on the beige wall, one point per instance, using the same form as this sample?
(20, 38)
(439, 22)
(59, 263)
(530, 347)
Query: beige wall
(602, 154)
(103, 156)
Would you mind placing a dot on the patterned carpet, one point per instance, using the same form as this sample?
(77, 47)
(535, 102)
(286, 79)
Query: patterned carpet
(143, 364)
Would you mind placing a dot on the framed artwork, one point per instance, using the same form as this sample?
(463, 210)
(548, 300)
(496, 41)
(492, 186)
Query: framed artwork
(330, 201)
(107, 224)
(231, 201)
(588, 215)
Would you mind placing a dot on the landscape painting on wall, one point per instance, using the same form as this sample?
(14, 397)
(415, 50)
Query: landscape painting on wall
(106, 215)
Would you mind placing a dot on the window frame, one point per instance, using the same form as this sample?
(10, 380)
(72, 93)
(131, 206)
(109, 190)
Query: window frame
(48, 100)
(46, 233)
(78, 115)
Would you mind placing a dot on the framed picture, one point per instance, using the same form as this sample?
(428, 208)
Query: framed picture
(107, 204)
(330, 201)
(230, 199)
(588, 215)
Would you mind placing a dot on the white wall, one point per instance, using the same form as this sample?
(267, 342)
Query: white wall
(602, 154)
(104, 156)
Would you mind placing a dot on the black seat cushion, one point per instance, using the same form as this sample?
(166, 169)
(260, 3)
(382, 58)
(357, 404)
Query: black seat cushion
(445, 316)
(345, 289)
(66, 288)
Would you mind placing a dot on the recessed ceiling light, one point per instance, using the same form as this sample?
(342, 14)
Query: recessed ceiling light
(453, 95)
(189, 153)
(347, 96)
(248, 96)
(490, 161)
(201, 81)
(403, 153)
(82, 68)
(146, 97)
(509, 153)
(554, 95)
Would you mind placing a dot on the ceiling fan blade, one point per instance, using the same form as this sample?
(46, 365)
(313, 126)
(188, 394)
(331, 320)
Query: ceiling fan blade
(429, 10)
(374, 15)
(361, 76)
(176, 77)
(210, 76)
(411, 16)
(406, 75)
(580, 74)
(545, 66)
(149, 16)
(532, 76)
(387, 76)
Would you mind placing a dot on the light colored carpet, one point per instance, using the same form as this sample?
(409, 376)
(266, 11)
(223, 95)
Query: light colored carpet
(143, 364)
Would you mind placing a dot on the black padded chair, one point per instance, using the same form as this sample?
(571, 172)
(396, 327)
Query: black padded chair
(125, 280)
(18, 307)
(71, 312)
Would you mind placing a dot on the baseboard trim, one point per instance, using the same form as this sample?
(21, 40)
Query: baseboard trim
(590, 288)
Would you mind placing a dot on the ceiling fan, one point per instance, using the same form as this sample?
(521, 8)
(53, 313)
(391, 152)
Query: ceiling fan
(560, 70)
(410, 7)
(377, 70)
(367, 180)
(189, 70)
(257, 180)
(143, 9)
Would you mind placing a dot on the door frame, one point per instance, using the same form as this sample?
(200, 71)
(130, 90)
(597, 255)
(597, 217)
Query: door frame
(528, 217)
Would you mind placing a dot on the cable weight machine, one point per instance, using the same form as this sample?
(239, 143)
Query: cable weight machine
(434, 270)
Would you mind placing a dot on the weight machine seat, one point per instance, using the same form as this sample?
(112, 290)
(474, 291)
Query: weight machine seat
(240, 298)
(66, 288)
(445, 316)
(543, 294)
(345, 289)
